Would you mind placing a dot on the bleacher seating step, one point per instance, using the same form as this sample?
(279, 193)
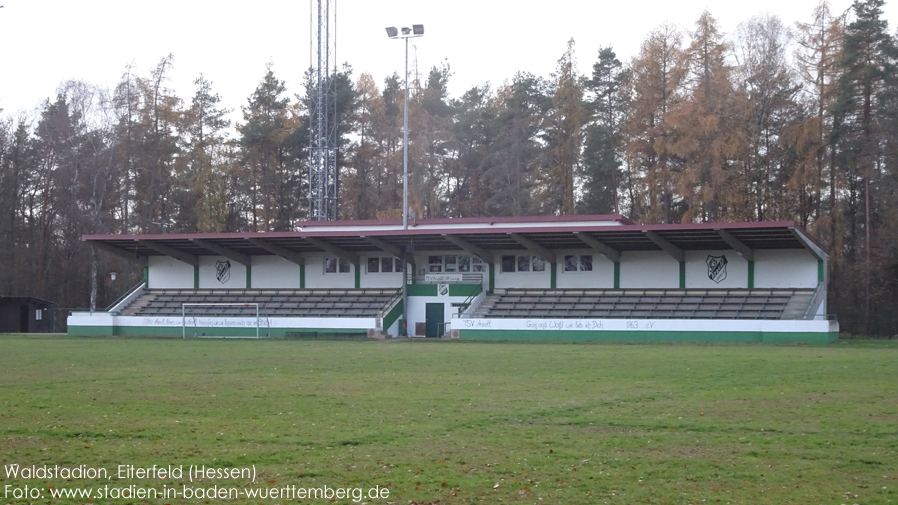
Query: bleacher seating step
(350, 302)
(762, 303)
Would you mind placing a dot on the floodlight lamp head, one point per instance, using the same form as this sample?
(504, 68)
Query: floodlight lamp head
(392, 32)
(418, 29)
(406, 30)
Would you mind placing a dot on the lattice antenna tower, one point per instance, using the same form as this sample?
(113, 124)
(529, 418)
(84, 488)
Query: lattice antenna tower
(323, 112)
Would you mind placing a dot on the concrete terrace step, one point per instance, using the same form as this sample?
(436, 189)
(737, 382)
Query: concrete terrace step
(272, 303)
(647, 303)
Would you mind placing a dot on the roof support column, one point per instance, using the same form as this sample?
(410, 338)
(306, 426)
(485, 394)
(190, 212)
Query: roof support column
(739, 246)
(140, 260)
(469, 248)
(227, 252)
(172, 252)
(533, 247)
(336, 251)
(277, 250)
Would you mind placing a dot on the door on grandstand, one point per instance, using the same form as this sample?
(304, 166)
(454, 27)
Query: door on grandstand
(23, 318)
(433, 318)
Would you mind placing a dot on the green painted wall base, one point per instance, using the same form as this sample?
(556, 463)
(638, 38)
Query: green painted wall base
(454, 289)
(392, 316)
(483, 335)
(176, 331)
(651, 336)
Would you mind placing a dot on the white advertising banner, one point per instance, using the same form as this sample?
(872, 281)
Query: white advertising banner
(443, 278)
(770, 325)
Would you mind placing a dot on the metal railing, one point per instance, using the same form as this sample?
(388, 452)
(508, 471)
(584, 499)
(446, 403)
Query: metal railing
(468, 301)
(816, 300)
(124, 295)
(390, 304)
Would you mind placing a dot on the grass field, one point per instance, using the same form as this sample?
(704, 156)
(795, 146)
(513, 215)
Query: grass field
(463, 423)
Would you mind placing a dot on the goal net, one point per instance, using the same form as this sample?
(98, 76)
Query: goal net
(220, 320)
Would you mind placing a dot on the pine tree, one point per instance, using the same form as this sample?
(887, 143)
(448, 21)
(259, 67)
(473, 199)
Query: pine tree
(474, 130)
(156, 150)
(436, 185)
(262, 137)
(514, 159)
(601, 168)
(362, 181)
(203, 184)
(857, 131)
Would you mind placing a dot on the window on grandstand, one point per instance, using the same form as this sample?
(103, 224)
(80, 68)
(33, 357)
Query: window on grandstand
(523, 264)
(578, 263)
(455, 263)
(336, 265)
(384, 265)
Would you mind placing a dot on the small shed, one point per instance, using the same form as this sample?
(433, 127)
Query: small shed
(26, 314)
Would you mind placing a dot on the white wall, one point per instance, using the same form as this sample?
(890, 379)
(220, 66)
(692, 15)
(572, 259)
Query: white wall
(523, 279)
(649, 269)
(602, 275)
(379, 279)
(639, 269)
(316, 278)
(785, 268)
(697, 270)
(208, 280)
(274, 272)
(169, 273)
(519, 279)
(105, 319)
(417, 306)
(646, 325)
(423, 266)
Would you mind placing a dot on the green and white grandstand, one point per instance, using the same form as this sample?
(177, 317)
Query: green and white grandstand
(571, 278)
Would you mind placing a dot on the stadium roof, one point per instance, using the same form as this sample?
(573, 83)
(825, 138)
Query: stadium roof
(607, 234)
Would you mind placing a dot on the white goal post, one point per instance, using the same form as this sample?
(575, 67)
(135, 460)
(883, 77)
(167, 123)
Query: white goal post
(184, 316)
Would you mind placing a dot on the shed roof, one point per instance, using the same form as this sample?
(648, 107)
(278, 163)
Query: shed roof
(24, 299)
(607, 234)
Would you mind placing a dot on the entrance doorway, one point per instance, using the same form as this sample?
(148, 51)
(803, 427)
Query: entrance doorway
(433, 317)
(23, 319)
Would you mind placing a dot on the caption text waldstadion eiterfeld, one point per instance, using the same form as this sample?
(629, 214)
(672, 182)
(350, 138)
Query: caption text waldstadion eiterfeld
(194, 473)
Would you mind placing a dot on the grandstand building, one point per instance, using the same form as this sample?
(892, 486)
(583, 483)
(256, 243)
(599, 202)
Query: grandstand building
(571, 278)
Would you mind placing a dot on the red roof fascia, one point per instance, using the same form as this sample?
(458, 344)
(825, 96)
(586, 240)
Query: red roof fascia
(412, 231)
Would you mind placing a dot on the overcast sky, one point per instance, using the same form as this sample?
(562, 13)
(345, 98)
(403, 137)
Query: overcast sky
(45, 42)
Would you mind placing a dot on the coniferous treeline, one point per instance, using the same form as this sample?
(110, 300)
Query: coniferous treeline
(770, 123)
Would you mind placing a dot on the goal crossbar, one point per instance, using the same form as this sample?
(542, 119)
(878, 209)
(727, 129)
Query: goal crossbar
(210, 304)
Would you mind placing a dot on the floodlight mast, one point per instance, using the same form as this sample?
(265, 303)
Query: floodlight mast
(407, 33)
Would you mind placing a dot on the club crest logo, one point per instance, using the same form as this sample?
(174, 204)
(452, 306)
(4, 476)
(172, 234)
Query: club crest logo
(717, 268)
(223, 271)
